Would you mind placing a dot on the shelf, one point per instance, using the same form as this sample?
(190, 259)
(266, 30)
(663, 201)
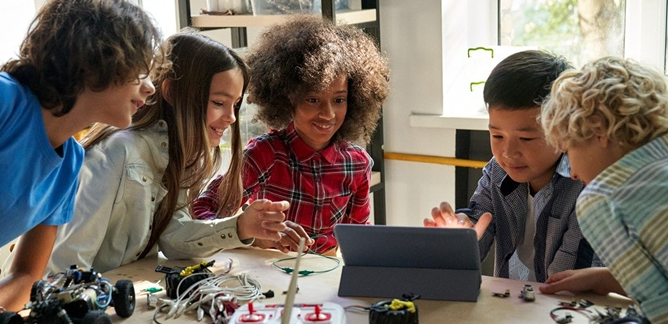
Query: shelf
(342, 17)
(375, 178)
(362, 18)
(471, 122)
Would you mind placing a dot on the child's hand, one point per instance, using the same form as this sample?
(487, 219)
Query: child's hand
(289, 239)
(444, 216)
(597, 280)
(263, 220)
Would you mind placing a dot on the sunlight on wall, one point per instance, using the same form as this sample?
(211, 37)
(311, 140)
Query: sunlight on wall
(163, 13)
(15, 16)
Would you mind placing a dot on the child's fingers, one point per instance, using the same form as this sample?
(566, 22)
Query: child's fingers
(438, 220)
(291, 234)
(446, 209)
(300, 232)
(268, 205)
(272, 235)
(280, 246)
(429, 223)
(279, 206)
(557, 284)
(481, 226)
(272, 216)
(557, 277)
(276, 226)
(290, 239)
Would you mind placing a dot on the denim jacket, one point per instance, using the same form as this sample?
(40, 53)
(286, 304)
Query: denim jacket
(120, 188)
(558, 242)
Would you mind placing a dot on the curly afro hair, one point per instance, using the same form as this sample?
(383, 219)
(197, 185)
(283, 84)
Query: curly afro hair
(305, 55)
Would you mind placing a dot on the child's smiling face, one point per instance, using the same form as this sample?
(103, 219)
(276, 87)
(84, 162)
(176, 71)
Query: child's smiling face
(225, 92)
(518, 144)
(318, 116)
(117, 104)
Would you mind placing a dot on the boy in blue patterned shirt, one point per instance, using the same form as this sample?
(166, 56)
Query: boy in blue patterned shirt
(525, 199)
(611, 117)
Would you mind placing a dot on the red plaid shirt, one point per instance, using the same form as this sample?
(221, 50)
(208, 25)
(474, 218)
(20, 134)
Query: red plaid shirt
(324, 188)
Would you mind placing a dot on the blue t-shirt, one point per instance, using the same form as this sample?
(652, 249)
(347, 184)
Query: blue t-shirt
(37, 185)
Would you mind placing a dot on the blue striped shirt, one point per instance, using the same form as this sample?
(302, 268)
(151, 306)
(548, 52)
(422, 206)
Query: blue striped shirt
(558, 242)
(623, 213)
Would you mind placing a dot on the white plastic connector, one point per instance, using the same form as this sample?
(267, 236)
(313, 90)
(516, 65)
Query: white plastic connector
(209, 290)
(200, 314)
(180, 309)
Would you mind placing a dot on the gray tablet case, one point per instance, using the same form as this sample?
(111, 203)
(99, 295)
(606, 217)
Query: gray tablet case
(389, 261)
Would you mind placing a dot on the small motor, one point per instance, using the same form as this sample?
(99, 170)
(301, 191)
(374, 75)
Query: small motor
(527, 293)
(185, 277)
(396, 311)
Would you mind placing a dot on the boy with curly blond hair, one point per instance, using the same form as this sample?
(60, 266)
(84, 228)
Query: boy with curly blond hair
(611, 118)
(320, 88)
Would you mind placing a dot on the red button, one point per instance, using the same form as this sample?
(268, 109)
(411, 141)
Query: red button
(252, 316)
(317, 316)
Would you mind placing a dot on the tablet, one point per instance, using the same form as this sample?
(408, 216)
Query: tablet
(437, 263)
(415, 247)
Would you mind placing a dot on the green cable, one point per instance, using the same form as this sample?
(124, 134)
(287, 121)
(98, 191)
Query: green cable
(289, 270)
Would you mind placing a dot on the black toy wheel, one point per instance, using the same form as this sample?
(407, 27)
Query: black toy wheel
(38, 289)
(10, 318)
(96, 317)
(124, 298)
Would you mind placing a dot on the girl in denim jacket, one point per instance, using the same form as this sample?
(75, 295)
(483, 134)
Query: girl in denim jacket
(136, 185)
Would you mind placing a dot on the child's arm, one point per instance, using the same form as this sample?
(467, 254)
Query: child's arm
(597, 280)
(359, 205)
(444, 216)
(263, 219)
(481, 202)
(206, 205)
(574, 251)
(288, 239)
(100, 180)
(31, 256)
(187, 238)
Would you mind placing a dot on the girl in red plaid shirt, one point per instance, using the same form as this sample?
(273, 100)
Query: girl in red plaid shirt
(319, 87)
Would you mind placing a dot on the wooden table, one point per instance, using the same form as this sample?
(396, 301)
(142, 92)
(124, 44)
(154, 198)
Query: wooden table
(320, 288)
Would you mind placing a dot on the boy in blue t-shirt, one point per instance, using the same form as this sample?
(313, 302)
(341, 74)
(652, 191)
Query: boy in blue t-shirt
(83, 61)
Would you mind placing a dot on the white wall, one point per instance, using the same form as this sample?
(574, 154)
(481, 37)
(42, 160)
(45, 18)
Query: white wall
(411, 37)
(15, 17)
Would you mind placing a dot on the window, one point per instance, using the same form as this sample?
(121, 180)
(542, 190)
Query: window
(577, 29)
(581, 31)
(164, 15)
(247, 127)
(666, 41)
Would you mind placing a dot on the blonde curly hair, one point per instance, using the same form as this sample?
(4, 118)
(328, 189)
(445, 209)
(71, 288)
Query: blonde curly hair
(625, 99)
(306, 54)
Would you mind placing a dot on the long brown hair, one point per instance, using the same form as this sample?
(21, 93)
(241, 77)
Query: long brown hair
(195, 60)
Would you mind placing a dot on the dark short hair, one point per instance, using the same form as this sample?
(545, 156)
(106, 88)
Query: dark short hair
(77, 44)
(523, 80)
